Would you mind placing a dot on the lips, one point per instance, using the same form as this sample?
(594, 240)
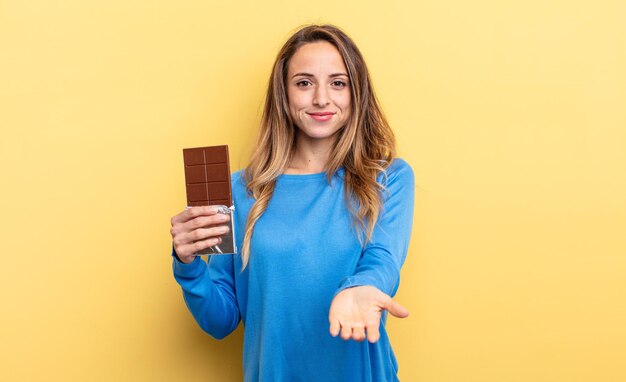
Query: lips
(321, 116)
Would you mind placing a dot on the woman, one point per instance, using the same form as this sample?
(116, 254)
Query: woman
(323, 220)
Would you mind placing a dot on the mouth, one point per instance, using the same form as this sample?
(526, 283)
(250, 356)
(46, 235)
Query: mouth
(321, 116)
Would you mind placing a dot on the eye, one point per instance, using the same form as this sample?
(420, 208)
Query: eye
(303, 83)
(339, 84)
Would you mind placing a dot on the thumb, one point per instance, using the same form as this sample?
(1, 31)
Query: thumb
(396, 309)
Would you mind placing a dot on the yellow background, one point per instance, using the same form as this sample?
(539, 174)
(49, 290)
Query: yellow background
(512, 114)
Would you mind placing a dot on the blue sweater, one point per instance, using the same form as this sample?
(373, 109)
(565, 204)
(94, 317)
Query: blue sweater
(304, 250)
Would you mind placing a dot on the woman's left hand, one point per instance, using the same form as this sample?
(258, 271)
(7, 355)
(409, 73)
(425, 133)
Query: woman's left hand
(355, 313)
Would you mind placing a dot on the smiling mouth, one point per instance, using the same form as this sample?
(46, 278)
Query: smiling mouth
(325, 116)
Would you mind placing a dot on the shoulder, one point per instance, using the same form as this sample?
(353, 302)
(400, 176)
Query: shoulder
(398, 171)
(238, 177)
(399, 165)
(398, 183)
(238, 183)
(242, 200)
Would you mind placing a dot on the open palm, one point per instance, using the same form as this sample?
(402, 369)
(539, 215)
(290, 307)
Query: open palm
(355, 313)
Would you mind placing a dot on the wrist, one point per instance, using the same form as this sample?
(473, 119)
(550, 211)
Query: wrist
(184, 259)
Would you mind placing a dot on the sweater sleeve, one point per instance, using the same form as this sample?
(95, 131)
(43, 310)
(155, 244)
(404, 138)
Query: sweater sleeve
(384, 254)
(209, 292)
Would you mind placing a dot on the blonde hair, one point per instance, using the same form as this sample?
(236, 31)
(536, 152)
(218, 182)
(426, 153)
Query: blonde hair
(365, 147)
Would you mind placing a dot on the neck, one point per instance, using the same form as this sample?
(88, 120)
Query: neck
(310, 156)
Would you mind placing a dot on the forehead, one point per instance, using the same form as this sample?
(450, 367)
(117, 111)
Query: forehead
(320, 57)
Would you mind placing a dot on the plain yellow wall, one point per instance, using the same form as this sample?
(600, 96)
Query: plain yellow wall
(512, 114)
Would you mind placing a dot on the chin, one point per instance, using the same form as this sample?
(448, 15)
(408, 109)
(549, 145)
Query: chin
(321, 135)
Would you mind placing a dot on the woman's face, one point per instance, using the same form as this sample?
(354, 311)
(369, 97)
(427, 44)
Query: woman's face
(318, 91)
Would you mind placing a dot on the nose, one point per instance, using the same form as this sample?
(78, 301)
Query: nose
(320, 98)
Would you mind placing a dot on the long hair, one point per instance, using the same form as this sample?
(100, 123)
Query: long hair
(365, 146)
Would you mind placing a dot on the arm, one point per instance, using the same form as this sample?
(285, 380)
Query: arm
(384, 255)
(361, 297)
(208, 290)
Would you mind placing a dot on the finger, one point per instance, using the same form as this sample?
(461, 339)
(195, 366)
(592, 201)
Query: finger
(207, 233)
(372, 332)
(200, 234)
(334, 327)
(193, 212)
(358, 332)
(396, 309)
(193, 248)
(202, 222)
(346, 331)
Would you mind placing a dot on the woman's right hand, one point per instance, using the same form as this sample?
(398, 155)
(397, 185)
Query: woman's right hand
(195, 229)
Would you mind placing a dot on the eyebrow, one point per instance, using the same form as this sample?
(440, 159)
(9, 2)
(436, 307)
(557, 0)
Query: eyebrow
(311, 75)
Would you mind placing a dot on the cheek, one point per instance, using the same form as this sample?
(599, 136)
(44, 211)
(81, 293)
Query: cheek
(295, 101)
(293, 110)
(291, 103)
(345, 102)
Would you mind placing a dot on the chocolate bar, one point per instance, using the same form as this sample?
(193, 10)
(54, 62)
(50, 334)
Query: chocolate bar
(207, 181)
(207, 176)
